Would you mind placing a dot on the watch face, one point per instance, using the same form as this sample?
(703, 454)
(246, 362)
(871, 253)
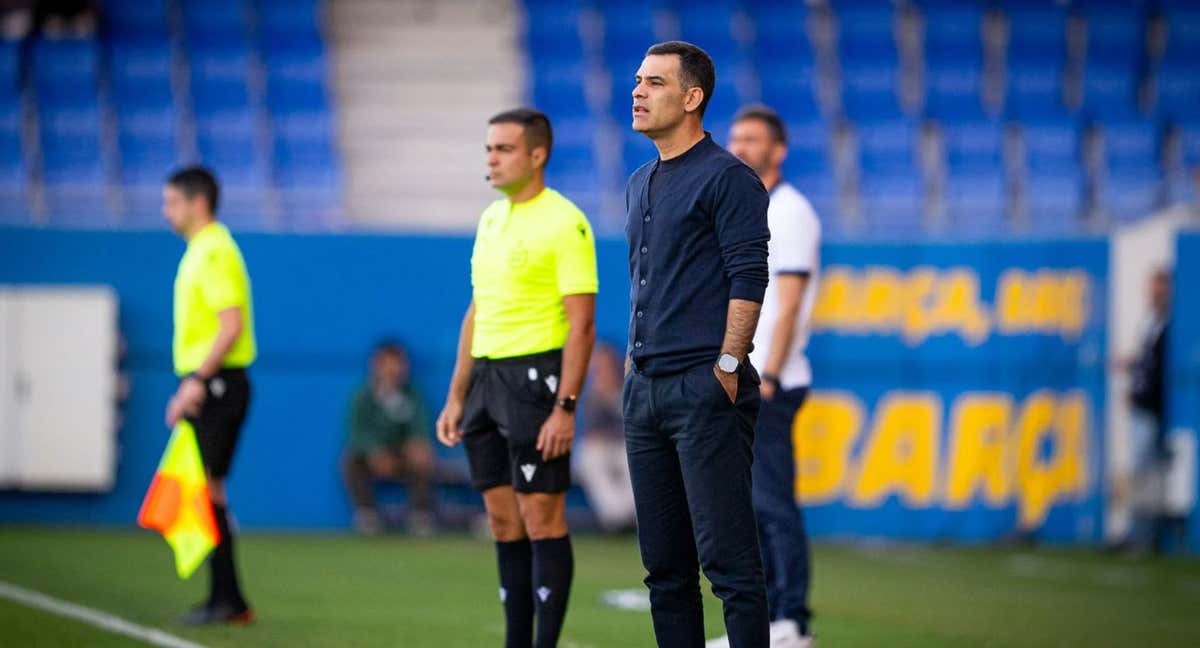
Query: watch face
(727, 363)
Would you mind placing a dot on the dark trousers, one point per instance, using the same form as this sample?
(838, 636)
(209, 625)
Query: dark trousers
(780, 522)
(690, 452)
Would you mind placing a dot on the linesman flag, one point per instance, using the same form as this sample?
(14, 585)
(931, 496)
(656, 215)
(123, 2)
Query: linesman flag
(177, 504)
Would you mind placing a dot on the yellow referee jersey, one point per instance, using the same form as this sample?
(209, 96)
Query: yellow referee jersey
(211, 278)
(527, 257)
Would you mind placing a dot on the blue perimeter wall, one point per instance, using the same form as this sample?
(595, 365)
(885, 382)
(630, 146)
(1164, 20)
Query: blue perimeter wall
(321, 301)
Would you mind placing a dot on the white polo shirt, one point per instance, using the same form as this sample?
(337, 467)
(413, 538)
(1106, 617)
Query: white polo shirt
(794, 249)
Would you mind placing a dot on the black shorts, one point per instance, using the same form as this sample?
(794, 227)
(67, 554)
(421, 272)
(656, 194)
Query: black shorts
(219, 423)
(507, 403)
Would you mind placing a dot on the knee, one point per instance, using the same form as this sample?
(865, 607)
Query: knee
(544, 520)
(422, 463)
(506, 526)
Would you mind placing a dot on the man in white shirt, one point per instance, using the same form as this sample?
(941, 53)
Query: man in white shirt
(759, 139)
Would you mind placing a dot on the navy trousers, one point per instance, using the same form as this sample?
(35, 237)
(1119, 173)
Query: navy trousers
(690, 451)
(780, 522)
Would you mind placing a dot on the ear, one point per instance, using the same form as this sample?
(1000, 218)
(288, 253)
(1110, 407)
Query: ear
(538, 155)
(779, 153)
(692, 98)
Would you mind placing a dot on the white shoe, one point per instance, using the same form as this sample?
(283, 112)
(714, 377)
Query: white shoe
(786, 634)
(719, 642)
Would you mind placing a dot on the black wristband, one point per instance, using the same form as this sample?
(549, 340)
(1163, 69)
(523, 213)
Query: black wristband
(196, 375)
(567, 403)
(770, 378)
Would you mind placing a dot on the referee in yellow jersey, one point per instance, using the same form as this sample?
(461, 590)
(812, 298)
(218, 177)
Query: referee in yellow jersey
(522, 357)
(213, 345)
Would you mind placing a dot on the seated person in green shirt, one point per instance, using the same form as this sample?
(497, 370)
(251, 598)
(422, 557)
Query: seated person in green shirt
(389, 439)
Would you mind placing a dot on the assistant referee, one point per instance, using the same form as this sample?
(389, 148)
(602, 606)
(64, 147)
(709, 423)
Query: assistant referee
(213, 345)
(523, 353)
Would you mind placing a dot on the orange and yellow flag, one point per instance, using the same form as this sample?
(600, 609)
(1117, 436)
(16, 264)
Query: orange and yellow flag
(178, 505)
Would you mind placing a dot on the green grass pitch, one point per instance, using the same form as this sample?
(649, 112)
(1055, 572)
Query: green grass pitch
(333, 590)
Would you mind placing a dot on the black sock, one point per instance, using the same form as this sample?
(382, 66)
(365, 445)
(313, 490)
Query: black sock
(225, 589)
(553, 569)
(516, 592)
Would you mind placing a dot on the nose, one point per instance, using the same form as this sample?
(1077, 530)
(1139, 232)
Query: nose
(638, 92)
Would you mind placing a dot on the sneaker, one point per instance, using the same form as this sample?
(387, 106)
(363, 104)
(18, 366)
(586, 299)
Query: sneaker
(367, 522)
(422, 524)
(221, 613)
(719, 642)
(785, 633)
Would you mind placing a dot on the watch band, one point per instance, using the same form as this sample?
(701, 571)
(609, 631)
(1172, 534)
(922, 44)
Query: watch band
(567, 403)
(770, 378)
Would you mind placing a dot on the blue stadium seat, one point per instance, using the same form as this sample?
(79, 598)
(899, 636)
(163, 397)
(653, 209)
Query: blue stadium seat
(955, 92)
(140, 76)
(975, 203)
(552, 31)
(1053, 180)
(711, 27)
(210, 23)
(1183, 31)
(865, 31)
(974, 148)
(14, 176)
(130, 22)
(1133, 183)
(219, 79)
(886, 148)
(73, 166)
(869, 92)
(290, 24)
(149, 147)
(295, 80)
(781, 35)
(10, 71)
(629, 29)
(953, 30)
(306, 168)
(1110, 90)
(1053, 201)
(1178, 89)
(559, 90)
(66, 73)
(890, 187)
(891, 205)
(1115, 32)
(808, 148)
(1035, 92)
(790, 89)
(1037, 33)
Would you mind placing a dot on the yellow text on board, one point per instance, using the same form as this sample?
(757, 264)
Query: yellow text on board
(995, 451)
(928, 301)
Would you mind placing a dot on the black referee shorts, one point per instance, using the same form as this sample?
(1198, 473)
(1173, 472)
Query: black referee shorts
(507, 403)
(219, 424)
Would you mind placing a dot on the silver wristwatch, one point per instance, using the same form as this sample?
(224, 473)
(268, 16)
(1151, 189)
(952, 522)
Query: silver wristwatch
(727, 363)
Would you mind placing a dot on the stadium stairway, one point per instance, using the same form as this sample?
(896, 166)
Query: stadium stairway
(415, 81)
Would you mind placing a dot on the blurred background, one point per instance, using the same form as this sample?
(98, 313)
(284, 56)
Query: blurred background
(1002, 186)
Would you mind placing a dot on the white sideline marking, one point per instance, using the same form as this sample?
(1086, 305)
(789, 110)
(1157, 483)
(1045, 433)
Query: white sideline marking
(93, 617)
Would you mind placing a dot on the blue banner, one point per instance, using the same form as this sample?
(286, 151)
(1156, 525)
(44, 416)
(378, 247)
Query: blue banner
(958, 392)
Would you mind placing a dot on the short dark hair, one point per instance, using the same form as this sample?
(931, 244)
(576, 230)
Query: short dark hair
(696, 67)
(389, 346)
(197, 180)
(536, 124)
(767, 116)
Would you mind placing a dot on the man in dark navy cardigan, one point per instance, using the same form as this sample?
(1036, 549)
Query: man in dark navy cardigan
(697, 230)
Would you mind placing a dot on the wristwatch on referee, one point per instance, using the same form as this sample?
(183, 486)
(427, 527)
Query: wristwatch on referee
(195, 375)
(567, 403)
(770, 379)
